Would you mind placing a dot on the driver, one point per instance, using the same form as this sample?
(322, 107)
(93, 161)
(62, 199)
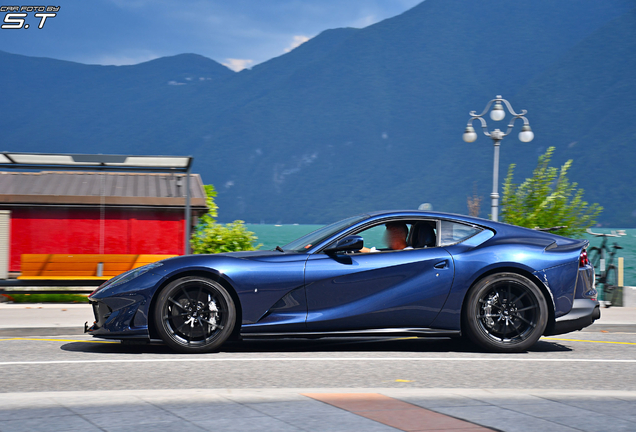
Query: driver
(395, 237)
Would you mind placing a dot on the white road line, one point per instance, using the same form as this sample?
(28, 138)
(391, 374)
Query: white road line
(319, 359)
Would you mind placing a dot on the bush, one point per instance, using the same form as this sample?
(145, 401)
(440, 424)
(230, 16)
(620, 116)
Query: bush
(547, 199)
(211, 237)
(216, 238)
(46, 298)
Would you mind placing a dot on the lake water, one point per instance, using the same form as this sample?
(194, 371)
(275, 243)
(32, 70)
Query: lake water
(278, 235)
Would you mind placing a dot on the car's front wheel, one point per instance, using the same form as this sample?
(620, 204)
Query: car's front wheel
(505, 312)
(194, 314)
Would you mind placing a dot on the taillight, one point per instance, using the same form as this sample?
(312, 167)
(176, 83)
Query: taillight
(583, 260)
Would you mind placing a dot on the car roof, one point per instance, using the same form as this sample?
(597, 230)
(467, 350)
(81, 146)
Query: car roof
(500, 228)
(435, 215)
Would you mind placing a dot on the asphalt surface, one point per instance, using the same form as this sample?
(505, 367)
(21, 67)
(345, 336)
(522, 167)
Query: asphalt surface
(582, 381)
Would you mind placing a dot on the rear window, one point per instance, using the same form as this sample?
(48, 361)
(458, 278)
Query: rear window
(453, 232)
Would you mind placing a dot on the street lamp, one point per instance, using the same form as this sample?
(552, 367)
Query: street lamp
(497, 114)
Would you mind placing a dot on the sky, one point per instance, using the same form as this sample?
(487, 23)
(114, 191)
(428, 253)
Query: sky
(236, 33)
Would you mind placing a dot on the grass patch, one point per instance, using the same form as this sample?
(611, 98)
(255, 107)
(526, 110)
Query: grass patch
(47, 298)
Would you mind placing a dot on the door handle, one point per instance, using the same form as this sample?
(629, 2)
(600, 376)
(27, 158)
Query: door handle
(441, 265)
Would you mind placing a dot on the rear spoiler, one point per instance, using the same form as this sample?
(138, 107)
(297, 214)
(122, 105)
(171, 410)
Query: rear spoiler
(569, 245)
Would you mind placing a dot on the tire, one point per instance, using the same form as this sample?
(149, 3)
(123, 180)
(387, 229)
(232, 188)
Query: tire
(194, 315)
(610, 284)
(505, 312)
(594, 255)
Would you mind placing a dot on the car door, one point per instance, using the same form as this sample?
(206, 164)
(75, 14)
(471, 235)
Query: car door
(396, 289)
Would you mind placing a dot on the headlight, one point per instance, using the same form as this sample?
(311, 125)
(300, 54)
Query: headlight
(127, 276)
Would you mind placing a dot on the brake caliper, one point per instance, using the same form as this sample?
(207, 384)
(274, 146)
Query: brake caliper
(493, 299)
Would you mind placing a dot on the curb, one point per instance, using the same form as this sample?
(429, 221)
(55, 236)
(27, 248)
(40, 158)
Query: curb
(41, 331)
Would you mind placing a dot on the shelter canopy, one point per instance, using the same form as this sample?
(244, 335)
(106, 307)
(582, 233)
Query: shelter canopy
(95, 161)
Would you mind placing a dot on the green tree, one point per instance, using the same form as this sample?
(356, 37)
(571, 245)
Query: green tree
(212, 237)
(547, 199)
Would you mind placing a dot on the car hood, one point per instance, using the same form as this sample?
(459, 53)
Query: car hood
(250, 254)
(211, 260)
(263, 256)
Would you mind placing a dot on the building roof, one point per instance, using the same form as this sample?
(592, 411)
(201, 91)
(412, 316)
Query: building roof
(100, 188)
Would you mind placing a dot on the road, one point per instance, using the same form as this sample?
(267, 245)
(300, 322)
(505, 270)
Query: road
(589, 360)
(581, 381)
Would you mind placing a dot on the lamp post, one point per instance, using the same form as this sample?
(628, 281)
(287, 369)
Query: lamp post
(497, 114)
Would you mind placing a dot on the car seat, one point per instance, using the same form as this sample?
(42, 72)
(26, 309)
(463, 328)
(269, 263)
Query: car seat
(422, 235)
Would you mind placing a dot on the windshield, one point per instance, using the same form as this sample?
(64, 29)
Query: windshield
(316, 237)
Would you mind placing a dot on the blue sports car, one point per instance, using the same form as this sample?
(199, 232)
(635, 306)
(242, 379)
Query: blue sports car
(381, 273)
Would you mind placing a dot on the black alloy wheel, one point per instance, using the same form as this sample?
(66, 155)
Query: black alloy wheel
(505, 312)
(194, 315)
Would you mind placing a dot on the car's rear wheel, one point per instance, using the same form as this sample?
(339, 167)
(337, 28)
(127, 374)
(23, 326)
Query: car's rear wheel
(505, 312)
(194, 315)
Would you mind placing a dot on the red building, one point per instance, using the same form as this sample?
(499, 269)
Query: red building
(96, 213)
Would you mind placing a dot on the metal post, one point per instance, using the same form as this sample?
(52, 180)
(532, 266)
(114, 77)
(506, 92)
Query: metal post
(496, 136)
(188, 216)
(102, 214)
(5, 243)
(494, 196)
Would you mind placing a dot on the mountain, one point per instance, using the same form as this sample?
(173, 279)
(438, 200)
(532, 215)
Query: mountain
(592, 127)
(361, 119)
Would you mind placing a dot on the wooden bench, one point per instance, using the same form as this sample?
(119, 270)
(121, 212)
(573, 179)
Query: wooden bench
(82, 266)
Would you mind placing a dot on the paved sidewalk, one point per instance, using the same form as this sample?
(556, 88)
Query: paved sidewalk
(44, 319)
(618, 315)
(301, 410)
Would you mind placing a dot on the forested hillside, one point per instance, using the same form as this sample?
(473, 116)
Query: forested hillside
(361, 119)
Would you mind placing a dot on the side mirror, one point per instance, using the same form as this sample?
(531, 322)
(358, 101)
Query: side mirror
(347, 244)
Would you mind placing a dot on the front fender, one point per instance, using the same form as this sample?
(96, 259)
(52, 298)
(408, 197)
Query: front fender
(259, 282)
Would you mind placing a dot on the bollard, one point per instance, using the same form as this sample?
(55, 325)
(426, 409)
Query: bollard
(620, 271)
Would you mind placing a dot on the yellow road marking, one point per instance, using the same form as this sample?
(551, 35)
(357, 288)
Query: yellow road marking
(57, 340)
(591, 341)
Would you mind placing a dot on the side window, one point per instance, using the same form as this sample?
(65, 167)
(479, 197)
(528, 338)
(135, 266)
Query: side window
(386, 237)
(452, 232)
(374, 237)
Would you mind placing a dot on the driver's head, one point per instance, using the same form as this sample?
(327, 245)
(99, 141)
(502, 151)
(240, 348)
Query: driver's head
(395, 235)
